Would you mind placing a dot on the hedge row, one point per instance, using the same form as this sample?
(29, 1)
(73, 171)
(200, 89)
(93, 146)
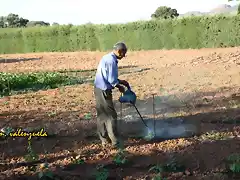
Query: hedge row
(191, 32)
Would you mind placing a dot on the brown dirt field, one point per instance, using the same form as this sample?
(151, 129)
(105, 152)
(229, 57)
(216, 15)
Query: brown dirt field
(212, 76)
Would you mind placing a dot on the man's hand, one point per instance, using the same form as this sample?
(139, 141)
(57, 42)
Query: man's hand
(125, 83)
(121, 88)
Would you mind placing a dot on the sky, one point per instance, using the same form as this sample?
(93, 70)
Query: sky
(99, 11)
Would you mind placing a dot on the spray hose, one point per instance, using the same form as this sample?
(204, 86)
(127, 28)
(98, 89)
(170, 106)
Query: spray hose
(130, 97)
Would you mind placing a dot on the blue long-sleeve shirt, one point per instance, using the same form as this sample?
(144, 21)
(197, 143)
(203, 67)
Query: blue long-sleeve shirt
(107, 72)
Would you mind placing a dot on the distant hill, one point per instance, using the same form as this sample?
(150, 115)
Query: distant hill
(221, 9)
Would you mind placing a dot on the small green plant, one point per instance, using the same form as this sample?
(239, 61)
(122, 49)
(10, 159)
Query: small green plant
(173, 166)
(158, 169)
(170, 166)
(87, 116)
(77, 160)
(213, 135)
(101, 173)
(52, 114)
(31, 156)
(45, 175)
(158, 177)
(234, 163)
(6, 103)
(120, 157)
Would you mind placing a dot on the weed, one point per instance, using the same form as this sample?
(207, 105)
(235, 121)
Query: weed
(52, 114)
(213, 135)
(31, 156)
(234, 104)
(47, 174)
(174, 166)
(87, 116)
(101, 173)
(158, 169)
(159, 177)
(6, 103)
(150, 135)
(120, 157)
(171, 166)
(234, 163)
(77, 160)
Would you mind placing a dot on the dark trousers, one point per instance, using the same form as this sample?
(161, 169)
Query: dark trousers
(106, 116)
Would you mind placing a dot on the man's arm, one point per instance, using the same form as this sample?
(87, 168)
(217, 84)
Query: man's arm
(112, 75)
(112, 70)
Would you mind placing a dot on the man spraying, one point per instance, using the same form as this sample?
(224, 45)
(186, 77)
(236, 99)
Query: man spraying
(107, 79)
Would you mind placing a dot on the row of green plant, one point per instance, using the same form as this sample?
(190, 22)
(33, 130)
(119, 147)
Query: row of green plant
(172, 165)
(189, 32)
(102, 173)
(10, 82)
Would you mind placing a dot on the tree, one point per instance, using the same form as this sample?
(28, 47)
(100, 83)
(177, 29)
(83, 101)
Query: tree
(238, 10)
(13, 20)
(2, 22)
(164, 12)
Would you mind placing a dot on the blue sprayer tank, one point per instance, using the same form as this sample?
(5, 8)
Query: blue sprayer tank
(128, 97)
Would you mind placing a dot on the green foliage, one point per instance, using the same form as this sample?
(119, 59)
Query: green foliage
(31, 156)
(14, 21)
(101, 173)
(238, 10)
(182, 33)
(77, 160)
(33, 81)
(164, 12)
(88, 116)
(120, 157)
(234, 163)
(46, 175)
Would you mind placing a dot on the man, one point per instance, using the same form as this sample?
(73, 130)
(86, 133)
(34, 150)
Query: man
(107, 79)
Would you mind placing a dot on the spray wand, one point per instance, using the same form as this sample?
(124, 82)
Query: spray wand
(130, 97)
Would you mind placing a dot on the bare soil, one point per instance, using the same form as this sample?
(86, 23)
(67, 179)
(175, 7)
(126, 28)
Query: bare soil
(207, 82)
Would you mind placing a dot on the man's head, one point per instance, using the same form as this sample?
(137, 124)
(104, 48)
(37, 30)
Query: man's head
(120, 50)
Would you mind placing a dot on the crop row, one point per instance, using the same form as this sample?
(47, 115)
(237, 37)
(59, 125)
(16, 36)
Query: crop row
(10, 82)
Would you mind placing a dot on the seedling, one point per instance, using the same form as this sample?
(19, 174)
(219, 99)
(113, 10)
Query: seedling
(120, 158)
(52, 114)
(150, 135)
(45, 175)
(234, 163)
(88, 116)
(102, 173)
(31, 156)
(77, 160)
(159, 169)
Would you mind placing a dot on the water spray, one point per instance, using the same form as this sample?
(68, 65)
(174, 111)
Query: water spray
(130, 97)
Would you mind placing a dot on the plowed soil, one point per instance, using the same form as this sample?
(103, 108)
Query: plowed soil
(207, 82)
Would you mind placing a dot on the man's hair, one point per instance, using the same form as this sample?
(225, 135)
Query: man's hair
(120, 46)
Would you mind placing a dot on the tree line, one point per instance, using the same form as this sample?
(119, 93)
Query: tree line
(15, 21)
